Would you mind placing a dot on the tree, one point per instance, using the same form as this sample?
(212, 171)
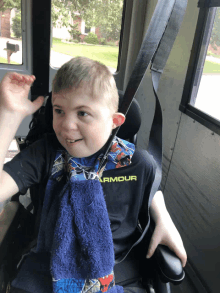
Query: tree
(105, 14)
(74, 32)
(10, 4)
(215, 36)
(63, 10)
(111, 25)
(16, 25)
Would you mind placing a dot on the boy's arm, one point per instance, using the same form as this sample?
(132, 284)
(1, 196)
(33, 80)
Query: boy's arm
(165, 231)
(14, 107)
(8, 128)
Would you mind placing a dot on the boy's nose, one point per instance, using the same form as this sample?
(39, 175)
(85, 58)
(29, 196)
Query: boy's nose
(69, 123)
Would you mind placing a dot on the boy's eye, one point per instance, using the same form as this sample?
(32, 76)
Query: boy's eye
(58, 111)
(82, 113)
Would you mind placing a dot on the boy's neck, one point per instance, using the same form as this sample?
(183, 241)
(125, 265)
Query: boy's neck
(102, 150)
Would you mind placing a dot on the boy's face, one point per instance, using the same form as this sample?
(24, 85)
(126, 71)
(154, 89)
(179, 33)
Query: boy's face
(82, 123)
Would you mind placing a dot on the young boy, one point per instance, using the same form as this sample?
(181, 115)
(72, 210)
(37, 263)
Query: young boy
(85, 105)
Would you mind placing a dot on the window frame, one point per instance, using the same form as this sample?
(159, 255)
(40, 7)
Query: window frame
(198, 53)
(27, 60)
(26, 65)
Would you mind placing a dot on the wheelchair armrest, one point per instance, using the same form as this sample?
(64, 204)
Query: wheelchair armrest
(165, 261)
(9, 220)
(15, 223)
(169, 265)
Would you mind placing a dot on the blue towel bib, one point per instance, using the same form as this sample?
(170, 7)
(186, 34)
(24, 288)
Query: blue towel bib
(75, 226)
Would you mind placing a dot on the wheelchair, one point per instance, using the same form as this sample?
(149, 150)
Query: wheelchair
(19, 233)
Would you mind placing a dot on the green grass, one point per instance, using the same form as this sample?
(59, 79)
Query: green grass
(211, 67)
(108, 55)
(209, 53)
(4, 60)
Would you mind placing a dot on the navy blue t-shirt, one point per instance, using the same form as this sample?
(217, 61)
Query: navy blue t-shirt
(125, 188)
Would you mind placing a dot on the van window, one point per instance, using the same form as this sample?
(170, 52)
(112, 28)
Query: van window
(91, 29)
(200, 99)
(205, 94)
(10, 32)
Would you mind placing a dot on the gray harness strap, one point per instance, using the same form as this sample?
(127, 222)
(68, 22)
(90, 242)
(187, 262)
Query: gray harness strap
(156, 47)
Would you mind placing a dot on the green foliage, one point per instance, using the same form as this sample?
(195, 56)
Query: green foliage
(209, 53)
(105, 14)
(215, 36)
(16, 25)
(4, 60)
(10, 4)
(75, 34)
(110, 24)
(211, 67)
(63, 10)
(102, 41)
(107, 55)
(111, 43)
(56, 40)
(91, 39)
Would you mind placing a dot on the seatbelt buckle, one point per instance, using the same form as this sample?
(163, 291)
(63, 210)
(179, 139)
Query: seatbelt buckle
(153, 68)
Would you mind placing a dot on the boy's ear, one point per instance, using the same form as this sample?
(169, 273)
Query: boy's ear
(118, 119)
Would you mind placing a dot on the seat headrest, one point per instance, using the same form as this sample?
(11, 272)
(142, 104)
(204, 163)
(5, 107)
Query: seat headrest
(132, 122)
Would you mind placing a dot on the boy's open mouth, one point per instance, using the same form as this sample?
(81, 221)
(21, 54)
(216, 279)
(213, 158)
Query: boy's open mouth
(72, 141)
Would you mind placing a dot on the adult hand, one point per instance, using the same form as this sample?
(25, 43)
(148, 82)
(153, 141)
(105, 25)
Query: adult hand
(14, 89)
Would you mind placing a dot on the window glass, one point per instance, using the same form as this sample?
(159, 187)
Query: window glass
(205, 94)
(10, 32)
(87, 30)
(79, 29)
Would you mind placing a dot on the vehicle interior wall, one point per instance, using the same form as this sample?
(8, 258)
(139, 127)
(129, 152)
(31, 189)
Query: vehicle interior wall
(191, 164)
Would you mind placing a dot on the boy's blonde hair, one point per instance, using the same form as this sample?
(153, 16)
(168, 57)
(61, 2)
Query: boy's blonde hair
(84, 72)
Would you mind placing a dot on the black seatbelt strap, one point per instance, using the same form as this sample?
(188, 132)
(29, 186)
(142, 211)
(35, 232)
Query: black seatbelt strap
(148, 48)
(157, 44)
(155, 147)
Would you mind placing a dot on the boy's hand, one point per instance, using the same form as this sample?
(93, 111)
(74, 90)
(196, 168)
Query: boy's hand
(14, 89)
(166, 233)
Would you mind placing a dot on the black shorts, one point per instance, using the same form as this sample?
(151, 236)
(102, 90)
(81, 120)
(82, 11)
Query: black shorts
(133, 287)
(127, 275)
